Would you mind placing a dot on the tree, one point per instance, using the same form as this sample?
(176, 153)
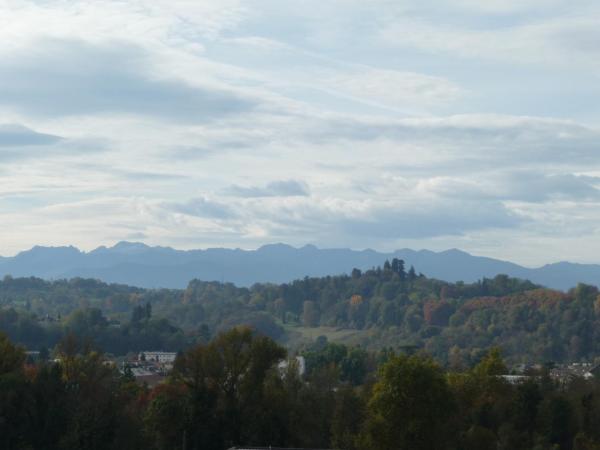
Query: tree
(410, 407)
(138, 314)
(166, 418)
(492, 364)
(398, 267)
(14, 396)
(11, 356)
(353, 366)
(49, 409)
(557, 421)
(437, 313)
(585, 293)
(348, 417)
(227, 381)
(310, 314)
(92, 402)
(412, 275)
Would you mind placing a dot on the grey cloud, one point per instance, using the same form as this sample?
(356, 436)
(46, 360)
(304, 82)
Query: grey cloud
(538, 187)
(68, 77)
(520, 185)
(202, 207)
(384, 221)
(137, 175)
(284, 188)
(190, 153)
(445, 218)
(129, 174)
(387, 220)
(18, 146)
(14, 135)
(215, 147)
(18, 142)
(581, 38)
(478, 140)
(496, 128)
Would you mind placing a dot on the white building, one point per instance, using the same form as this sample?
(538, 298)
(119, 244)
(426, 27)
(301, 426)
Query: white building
(161, 357)
(299, 361)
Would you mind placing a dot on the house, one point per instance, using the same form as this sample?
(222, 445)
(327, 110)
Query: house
(148, 377)
(148, 374)
(300, 364)
(160, 357)
(515, 379)
(565, 373)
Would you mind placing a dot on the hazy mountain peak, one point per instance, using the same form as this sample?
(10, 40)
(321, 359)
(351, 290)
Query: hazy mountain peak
(454, 251)
(126, 246)
(41, 250)
(276, 246)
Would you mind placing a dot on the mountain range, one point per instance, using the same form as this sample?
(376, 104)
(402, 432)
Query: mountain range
(141, 265)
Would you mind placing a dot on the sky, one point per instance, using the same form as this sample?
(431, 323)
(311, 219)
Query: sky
(341, 123)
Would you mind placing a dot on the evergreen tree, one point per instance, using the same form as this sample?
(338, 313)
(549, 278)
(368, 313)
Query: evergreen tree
(412, 274)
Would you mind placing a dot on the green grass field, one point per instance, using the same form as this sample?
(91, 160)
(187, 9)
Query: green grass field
(298, 335)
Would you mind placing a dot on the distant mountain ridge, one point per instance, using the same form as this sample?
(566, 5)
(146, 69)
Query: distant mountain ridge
(138, 264)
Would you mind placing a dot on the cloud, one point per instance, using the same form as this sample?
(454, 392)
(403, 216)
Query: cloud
(18, 143)
(329, 80)
(441, 218)
(350, 123)
(285, 188)
(14, 135)
(394, 88)
(202, 207)
(541, 187)
(499, 6)
(558, 40)
(137, 235)
(470, 141)
(55, 78)
(326, 219)
(520, 185)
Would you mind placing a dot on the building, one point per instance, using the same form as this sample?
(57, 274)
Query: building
(148, 377)
(160, 357)
(515, 379)
(300, 364)
(568, 372)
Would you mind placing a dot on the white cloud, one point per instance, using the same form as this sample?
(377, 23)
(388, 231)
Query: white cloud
(282, 188)
(560, 41)
(394, 88)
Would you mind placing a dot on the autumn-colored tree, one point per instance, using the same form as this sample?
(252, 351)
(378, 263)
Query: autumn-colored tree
(437, 313)
(310, 314)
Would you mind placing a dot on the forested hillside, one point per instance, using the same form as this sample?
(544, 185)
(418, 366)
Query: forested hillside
(230, 392)
(386, 307)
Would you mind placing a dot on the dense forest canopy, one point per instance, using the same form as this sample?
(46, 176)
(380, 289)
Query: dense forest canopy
(231, 391)
(386, 307)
